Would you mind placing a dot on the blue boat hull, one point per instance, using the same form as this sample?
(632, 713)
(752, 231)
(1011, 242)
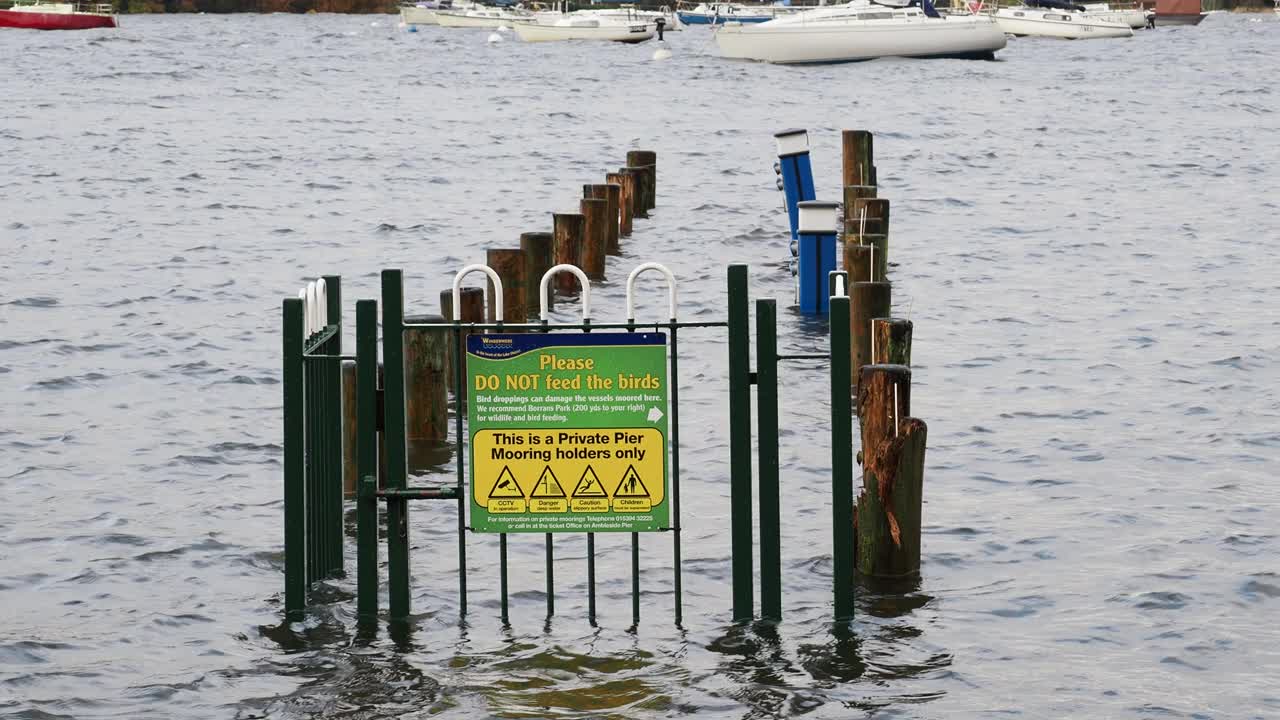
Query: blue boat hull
(689, 18)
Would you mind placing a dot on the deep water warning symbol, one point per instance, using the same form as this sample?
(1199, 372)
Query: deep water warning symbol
(506, 495)
(589, 494)
(547, 495)
(631, 495)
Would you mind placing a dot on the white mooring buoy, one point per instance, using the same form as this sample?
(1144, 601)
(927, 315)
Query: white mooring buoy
(494, 38)
(663, 52)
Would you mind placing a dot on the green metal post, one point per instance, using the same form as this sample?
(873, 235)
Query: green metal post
(459, 408)
(841, 460)
(635, 578)
(740, 443)
(367, 460)
(295, 518)
(333, 423)
(675, 474)
(502, 577)
(767, 426)
(551, 579)
(394, 435)
(309, 443)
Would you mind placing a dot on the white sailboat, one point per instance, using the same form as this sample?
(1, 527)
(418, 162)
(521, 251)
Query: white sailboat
(424, 13)
(1058, 19)
(576, 26)
(1134, 17)
(482, 17)
(863, 30)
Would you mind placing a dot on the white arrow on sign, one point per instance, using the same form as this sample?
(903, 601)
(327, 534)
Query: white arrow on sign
(654, 414)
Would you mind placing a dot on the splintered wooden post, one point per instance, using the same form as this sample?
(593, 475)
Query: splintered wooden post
(626, 183)
(509, 264)
(640, 201)
(595, 237)
(350, 464)
(859, 158)
(568, 229)
(857, 262)
(866, 300)
(426, 400)
(539, 256)
(893, 447)
(647, 159)
(609, 193)
(891, 341)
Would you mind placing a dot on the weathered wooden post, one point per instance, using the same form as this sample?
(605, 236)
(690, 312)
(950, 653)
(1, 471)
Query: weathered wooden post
(857, 262)
(595, 237)
(610, 193)
(426, 398)
(626, 199)
(866, 300)
(510, 266)
(859, 159)
(350, 436)
(893, 447)
(879, 245)
(852, 194)
(568, 229)
(875, 210)
(539, 256)
(648, 160)
(891, 341)
(472, 299)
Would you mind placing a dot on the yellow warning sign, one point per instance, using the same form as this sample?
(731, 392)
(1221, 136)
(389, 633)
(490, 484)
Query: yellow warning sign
(506, 495)
(578, 472)
(589, 494)
(547, 495)
(631, 495)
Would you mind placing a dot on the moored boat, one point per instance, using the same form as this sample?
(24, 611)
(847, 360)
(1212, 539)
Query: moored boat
(719, 13)
(1134, 17)
(573, 26)
(1178, 12)
(863, 31)
(1058, 19)
(43, 15)
(482, 17)
(424, 13)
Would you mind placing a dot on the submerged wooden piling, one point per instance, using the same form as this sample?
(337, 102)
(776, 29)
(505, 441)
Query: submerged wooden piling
(425, 387)
(539, 256)
(891, 341)
(510, 266)
(472, 301)
(595, 236)
(876, 211)
(880, 253)
(626, 183)
(648, 161)
(893, 447)
(858, 164)
(858, 263)
(568, 229)
(610, 193)
(867, 300)
(349, 432)
(853, 194)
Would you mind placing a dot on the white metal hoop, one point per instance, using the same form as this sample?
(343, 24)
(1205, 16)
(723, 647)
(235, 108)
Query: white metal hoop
(545, 284)
(671, 288)
(497, 290)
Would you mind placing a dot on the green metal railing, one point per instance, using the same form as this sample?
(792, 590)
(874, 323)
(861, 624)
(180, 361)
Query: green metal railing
(312, 390)
(313, 453)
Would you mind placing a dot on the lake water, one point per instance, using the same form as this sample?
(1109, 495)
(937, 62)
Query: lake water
(1085, 236)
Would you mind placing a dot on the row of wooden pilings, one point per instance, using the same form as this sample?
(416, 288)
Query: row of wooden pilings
(887, 514)
(606, 215)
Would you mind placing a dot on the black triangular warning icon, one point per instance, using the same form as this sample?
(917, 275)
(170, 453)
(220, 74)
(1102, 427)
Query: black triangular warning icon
(589, 485)
(631, 485)
(547, 486)
(505, 486)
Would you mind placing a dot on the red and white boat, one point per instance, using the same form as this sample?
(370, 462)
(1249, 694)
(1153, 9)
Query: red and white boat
(45, 15)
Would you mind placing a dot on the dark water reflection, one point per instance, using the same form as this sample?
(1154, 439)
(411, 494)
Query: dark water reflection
(1084, 237)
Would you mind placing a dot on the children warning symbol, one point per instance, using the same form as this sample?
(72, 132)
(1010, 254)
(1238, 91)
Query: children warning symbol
(589, 494)
(506, 495)
(567, 432)
(631, 495)
(547, 495)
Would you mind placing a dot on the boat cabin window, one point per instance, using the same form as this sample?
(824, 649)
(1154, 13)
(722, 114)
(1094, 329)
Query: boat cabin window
(875, 16)
(1019, 14)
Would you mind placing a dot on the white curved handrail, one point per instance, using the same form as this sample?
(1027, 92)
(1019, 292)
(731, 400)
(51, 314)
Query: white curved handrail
(311, 308)
(322, 304)
(545, 284)
(671, 288)
(306, 319)
(497, 290)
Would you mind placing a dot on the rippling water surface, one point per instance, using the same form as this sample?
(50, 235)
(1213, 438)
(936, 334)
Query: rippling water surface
(1085, 235)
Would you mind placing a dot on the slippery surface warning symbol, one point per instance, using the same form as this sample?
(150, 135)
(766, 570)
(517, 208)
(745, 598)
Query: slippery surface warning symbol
(568, 432)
